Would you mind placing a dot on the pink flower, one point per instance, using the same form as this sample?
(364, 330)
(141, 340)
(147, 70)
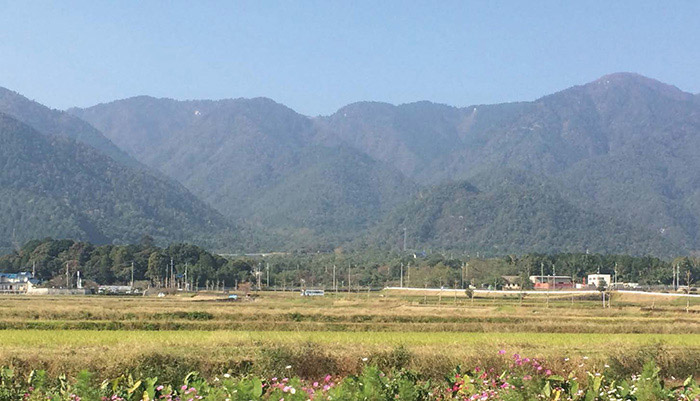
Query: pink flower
(328, 378)
(501, 352)
(548, 372)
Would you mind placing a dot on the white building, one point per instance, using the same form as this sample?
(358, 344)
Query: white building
(16, 282)
(596, 279)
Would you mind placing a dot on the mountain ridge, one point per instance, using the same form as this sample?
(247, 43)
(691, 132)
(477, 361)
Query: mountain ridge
(621, 146)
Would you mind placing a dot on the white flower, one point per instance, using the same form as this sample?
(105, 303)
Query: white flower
(288, 367)
(226, 375)
(364, 359)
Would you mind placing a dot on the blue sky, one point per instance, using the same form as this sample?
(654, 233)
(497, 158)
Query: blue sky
(318, 56)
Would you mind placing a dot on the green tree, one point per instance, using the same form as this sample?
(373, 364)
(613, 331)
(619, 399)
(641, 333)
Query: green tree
(156, 262)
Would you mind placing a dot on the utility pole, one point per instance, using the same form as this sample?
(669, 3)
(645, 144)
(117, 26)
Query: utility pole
(401, 275)
(673, 277)
(687, 283)
(67, 276)
(541, 271)
(408, 275)
(132, 275)
(335, 283)
(172, 273)
(186, 283)
(267, 267)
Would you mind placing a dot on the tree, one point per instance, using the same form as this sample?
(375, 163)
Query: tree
(154, 272)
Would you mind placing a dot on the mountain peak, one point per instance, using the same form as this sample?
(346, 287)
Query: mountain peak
(630, 80)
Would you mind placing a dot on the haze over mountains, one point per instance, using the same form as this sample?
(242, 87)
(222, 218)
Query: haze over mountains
(610, 166)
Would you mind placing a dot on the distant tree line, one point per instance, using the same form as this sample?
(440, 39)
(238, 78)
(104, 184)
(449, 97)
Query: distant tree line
(112, 264)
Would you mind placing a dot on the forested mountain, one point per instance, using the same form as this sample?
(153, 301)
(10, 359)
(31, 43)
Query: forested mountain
(623, 145)
(510, 212)
(256, 161)
(54, 186)
(621, 151)
(56, 122)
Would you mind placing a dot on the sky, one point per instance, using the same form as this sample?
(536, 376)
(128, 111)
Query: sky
(317, 56)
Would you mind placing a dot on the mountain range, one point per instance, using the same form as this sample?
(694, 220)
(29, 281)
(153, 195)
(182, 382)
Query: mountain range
(609, 166)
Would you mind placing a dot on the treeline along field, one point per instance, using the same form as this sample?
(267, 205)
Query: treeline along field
(112, 264)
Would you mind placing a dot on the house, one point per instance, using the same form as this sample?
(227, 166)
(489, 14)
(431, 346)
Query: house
(511, 282)
(551, 282)
(16, 282)
(595, 280)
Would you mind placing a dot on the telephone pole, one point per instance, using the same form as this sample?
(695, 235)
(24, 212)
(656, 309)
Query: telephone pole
(335, 283)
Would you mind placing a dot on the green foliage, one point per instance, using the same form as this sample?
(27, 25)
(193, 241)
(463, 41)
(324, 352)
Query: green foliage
(371, 385)
(54, 186)
(108, 264)
(511, 212)
(111, 264)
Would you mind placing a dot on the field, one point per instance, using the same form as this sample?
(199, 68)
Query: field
(277, 333)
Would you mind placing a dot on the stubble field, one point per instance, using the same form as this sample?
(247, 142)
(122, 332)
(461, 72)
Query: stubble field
(284, 333)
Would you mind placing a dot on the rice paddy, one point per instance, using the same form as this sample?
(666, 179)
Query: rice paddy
(431, 333)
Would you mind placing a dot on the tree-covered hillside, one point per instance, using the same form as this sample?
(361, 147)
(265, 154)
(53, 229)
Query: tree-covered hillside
(623, 146)
(621, 151)
(56, 122)
(510, 212)
(255, 161)
(51, 185)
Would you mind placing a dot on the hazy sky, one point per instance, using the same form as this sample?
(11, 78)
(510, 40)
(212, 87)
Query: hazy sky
(318, 56)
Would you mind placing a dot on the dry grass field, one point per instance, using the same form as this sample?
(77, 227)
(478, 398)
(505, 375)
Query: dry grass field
(429, 333)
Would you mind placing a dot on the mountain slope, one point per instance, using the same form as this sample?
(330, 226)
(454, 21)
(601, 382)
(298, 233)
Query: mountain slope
(53, 186)
(258, 161)
(56, 122)
(510, 212)
(623, 145)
